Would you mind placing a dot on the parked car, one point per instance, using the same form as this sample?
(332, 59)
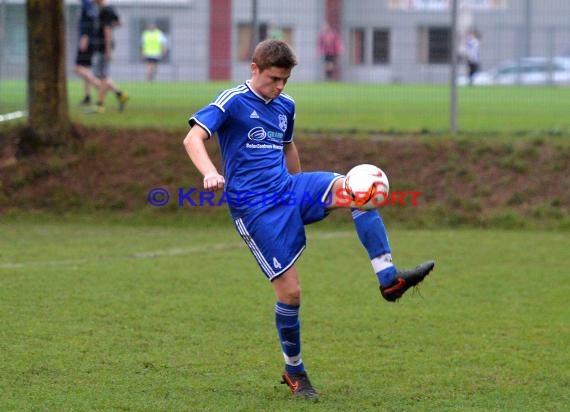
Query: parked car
(525, 71)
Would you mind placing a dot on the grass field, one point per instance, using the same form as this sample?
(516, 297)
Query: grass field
(341, 107)
(110, 312)
(124, 316)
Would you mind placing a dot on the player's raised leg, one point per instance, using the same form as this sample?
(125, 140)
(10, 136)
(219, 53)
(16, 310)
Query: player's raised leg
(373, 236)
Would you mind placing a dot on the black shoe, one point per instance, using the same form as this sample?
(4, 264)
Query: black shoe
(405, 280)
(86, 101)
(300, 385)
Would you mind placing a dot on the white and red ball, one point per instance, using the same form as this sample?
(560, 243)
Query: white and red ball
(368, 186)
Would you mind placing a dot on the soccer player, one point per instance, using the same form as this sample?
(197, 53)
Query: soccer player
(153, 47)
(84, 56)
(103, 45)
(264, 186)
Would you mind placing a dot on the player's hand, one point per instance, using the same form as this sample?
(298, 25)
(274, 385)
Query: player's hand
(214, 181)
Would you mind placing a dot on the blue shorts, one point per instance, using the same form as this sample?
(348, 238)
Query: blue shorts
(275, 234)
(84, 58)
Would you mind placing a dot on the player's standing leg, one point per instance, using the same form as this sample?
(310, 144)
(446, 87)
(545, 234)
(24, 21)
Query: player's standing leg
(276, 238)
(288, 293)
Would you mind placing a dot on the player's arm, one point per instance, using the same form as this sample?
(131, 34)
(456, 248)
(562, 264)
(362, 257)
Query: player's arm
(108, 39)
(292, 158)
(196, 149)
(83, 42)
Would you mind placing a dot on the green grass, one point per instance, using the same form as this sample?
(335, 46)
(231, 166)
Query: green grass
(341, 107)
(123, 316)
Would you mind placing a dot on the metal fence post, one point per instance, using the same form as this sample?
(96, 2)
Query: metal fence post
(453, 79)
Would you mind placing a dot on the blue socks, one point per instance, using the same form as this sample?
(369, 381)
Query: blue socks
(289, 330)
(372, 235)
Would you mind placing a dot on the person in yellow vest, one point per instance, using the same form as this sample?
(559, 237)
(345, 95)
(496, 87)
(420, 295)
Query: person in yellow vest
(154, 47)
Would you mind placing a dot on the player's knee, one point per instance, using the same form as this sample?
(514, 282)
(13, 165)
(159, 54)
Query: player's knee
(290, 296)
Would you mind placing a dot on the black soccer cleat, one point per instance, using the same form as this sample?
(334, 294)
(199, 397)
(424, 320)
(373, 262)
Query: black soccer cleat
(86, 101)
(300, 385)
(406, 279)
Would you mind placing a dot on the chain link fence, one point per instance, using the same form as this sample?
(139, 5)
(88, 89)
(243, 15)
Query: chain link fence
(522, 43)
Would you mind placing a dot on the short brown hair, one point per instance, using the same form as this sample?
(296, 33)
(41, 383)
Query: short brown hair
(274, 53)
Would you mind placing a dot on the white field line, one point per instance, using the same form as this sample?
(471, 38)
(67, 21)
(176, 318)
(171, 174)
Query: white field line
(153, 254)
(13, 115)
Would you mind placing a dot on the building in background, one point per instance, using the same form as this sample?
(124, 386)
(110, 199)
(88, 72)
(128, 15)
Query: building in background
(387, 41)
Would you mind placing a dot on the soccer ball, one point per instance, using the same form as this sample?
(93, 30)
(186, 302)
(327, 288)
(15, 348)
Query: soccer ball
(367, 185)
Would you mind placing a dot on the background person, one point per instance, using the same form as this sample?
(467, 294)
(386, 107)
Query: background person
(154, 47)
(274, 32)
(472, 57)
(84, 55)
(330, 48)
(107, 21)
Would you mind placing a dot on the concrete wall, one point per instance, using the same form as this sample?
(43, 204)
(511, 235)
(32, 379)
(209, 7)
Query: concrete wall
(504, 31)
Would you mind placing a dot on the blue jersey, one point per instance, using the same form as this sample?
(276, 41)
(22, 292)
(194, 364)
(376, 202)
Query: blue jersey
(251, 132)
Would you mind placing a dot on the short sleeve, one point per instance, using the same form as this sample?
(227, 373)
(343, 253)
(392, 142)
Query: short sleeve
(210, 118)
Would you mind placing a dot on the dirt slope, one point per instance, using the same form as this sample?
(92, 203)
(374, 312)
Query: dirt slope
(463, 181)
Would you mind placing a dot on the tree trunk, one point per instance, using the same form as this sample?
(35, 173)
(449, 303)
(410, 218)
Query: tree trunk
(47, 88)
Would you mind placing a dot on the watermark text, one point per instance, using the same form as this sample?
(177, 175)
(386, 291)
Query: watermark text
(196, 198)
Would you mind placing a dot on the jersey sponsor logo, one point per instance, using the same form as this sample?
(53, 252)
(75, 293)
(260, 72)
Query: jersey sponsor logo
(283, 122)
(257, 134)
(254, 115)
(263, 146)
(271, 139)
